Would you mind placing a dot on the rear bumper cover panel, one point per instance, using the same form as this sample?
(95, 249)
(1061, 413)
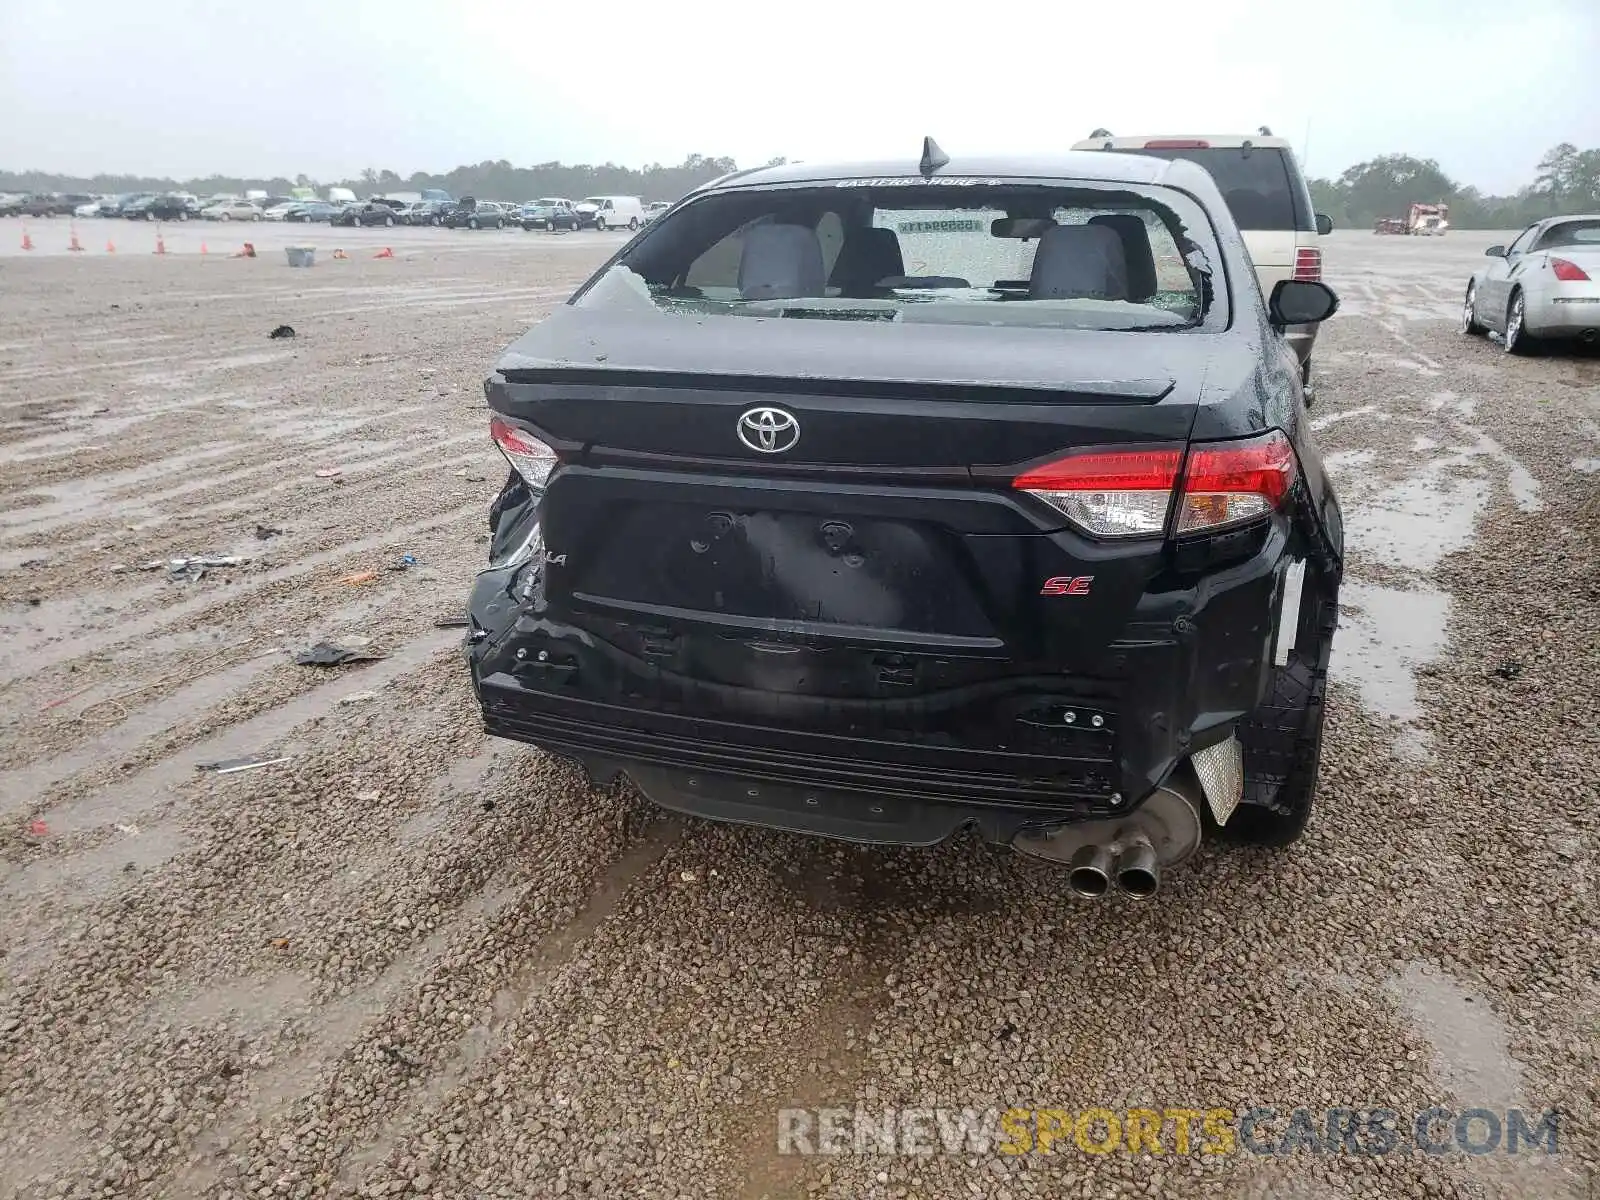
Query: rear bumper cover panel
(908, 769)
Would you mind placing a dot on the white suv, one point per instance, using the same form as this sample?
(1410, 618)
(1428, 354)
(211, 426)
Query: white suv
(1261, 181)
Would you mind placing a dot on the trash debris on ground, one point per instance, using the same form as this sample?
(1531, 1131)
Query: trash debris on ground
(38, 828)
(360, 577)
(451, 623)
(404, 563)
(282, 331)
(1509, 669)
(57, 703)
(263, 532)
(470, 478)
(194, 567)
(228, 766)
(331, 654)
(358, 697)
(329, 472)
(369, 797)
(128, 830)
(35, 562)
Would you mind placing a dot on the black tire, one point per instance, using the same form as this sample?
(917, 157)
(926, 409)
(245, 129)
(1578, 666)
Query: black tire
(633, 224)
(1470, 325)
(388, 222)
(499, 224)
(576, 224)
(472, 223)
(550, 225)
(599, 224)
(183, 215)
(1282, 740)
(255, 216)
(435, 221)
(1516, 339)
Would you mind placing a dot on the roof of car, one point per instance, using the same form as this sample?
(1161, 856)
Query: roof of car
(1083, 164)
(1215, 141)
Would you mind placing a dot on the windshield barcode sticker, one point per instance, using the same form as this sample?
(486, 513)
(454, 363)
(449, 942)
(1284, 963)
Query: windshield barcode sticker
(949, 226)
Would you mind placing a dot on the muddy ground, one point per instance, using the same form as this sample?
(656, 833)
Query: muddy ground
(407, 960)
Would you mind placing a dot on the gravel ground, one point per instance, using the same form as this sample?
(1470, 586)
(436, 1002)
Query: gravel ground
(411, 961)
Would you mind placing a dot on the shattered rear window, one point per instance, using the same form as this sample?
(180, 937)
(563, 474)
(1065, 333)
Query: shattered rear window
(989, 253)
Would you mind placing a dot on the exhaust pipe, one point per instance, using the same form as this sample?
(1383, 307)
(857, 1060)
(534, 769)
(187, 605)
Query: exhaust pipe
(1089, 875)
(1138, 872)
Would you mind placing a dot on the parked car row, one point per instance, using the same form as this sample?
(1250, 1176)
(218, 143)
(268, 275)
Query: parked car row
(550, 214)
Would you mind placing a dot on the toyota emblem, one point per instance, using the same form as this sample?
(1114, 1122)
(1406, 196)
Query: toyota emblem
(768, 430)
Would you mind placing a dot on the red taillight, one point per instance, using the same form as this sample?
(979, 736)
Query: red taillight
(1127, 493)
(1177, 144)
(1226, 483)
(1568, 272)
(1308, 263)
(1109, 493)
(528, 456)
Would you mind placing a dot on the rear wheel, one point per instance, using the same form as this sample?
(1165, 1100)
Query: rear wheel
(388, 221)
(1469, 313)
(575, 225)
(600, 224)
(1517, 340)
(472, 223)
(633, 223)
(1282, 740)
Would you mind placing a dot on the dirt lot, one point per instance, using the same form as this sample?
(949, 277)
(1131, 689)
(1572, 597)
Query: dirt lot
(409, 961)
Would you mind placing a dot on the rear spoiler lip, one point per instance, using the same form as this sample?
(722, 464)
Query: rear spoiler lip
(1151, 390)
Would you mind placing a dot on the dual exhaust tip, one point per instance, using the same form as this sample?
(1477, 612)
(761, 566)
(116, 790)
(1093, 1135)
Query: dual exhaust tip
(1131, 867)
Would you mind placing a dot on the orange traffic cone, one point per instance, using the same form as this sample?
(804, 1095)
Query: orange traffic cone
(384, 253)
(203, 250)
(27, 242)
(74, 244)
(111, 247)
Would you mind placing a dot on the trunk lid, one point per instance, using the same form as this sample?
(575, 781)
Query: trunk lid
(884, 554)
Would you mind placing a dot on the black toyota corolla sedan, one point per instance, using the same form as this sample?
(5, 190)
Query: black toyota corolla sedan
(880, 501)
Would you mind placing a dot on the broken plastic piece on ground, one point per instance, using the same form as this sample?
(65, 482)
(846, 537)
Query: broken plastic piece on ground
(34, 562)
(62, 700)
(228, 766)
(403, 563)
(360, 577)
(328, 472)
(358, 697)
(451, 623)
(194, 567)
(263, 532)
(331, 654)
(282, 331)
(38, 828)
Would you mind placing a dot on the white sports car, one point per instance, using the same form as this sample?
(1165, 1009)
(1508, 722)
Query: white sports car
(1545, 284)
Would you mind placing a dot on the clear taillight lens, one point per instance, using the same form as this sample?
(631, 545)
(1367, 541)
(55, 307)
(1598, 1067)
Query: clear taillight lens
(1229, 483)
(528, 456)
(1128, 493)
(1109, 493)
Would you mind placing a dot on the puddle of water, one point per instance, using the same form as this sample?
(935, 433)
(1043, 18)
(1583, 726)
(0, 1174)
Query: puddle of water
(1332, 418)
(1471, 1045)
(1384, 636)
(1416, 522)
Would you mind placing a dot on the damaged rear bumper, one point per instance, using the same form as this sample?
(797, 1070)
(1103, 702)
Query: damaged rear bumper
(1003, 756)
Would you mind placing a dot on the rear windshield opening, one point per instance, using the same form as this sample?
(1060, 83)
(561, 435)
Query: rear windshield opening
(1262, 193)
(987, 254)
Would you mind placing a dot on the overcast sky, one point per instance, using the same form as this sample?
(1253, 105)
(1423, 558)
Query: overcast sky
(328, 87)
